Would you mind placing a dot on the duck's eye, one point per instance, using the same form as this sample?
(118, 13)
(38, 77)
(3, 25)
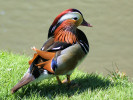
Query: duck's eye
(75, 18)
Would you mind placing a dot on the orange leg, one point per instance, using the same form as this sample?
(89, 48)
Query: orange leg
(67, 80)
(73, 85)
(58, 79)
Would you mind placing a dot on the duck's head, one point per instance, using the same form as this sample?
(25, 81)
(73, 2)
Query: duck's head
(71, 16)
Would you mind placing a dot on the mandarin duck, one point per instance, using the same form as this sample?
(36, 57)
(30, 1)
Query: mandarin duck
(61, 53)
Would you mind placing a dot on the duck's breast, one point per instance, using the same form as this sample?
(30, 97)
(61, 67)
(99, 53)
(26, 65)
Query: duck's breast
(69, 58)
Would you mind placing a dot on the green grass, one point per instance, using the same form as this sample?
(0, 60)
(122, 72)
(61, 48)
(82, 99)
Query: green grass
(90, 86)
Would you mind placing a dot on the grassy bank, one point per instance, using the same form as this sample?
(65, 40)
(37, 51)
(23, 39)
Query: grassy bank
(87, 86)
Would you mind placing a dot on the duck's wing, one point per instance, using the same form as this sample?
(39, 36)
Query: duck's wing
(57, 46)
(42, 59)
(47, 44)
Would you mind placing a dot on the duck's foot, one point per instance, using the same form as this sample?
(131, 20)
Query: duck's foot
(66, 81)
(58, 79)
(70, 84)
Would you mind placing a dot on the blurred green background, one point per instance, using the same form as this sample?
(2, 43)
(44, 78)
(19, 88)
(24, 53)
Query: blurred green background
(25, 23)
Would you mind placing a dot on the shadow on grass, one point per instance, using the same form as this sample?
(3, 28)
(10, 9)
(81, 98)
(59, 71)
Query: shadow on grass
(86, 82)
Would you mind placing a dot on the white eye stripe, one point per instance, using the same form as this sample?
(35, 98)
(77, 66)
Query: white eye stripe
(71, 15)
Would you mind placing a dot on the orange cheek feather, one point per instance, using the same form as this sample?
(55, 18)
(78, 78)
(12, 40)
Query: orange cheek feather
(63, 32)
